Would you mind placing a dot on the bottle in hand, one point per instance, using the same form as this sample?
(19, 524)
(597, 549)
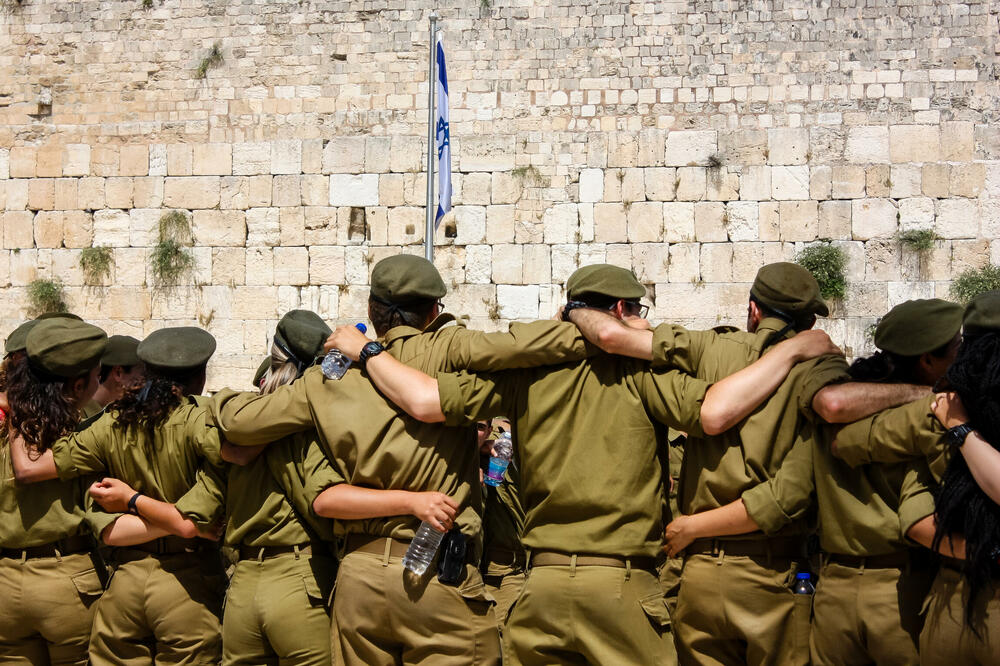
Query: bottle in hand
(503, 449)
(422, 549)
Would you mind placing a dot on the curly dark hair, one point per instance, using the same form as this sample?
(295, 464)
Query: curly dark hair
(883, 366)
(961, 507)
(41, 410)
(148, 402)
(385, 317)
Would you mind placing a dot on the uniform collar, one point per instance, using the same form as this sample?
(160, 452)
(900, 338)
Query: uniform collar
(767, 327)
(403, 332)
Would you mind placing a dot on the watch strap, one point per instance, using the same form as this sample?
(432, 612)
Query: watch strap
(131, 504)
(373, 348)
(958, 434)
(570, 306)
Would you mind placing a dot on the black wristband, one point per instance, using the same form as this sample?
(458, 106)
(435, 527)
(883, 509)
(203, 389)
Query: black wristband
(373, 348)
(131, 504)
(570, 306)
(956, 436)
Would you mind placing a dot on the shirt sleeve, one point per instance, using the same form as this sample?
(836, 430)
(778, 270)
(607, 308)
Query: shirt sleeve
(318, 473)
(204, 502)
(83, 452)
(826, 370)
(525, 345)
(673, 398)
(201, 431)
(893, 435)
(788, 494)
(676, 347)
(249, 419)
(916, 498)
(468, 397)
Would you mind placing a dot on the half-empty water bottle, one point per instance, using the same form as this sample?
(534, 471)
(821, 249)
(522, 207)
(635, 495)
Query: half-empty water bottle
(803, 584)
(335, 364)
(422, 549)
(503, 449)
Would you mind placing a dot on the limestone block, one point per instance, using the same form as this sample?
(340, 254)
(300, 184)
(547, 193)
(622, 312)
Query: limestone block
(989, 211)
(866, 299)
(322, 226)
(848, 182)
(48, 227)
(346, 154)
(935, 180)
(561, 224)
(508, 262)
(798, 220)
(499, 224)
(406, 225)
(250, 159)
(632, 185)
(24, 267)
(66, 265)
(314, 190)
(692, 183)
(144, 227)
(684, 266)
(147, 192)
(904, 181)
(285, 191)
(229, 265)
(717, 262)
(260, 266)
(613, 179)
(787, 145)
(957, 141)
(957, 218)
(678, 222)
(914, 143)
(219, 228)
(111, 228)
(179, 159)
(537, 267)
(390, 189)
(255, 303)
(16, 193)
(755, 183)
(650, 261)
(349, 190)
(820, 182)
(478, 264)
(992, 178)
(518, 302)
(234, 192)
(586, 212)
(867, 144)
(42, 194)
(192, 192)
(747, 260)
(652, 143)
(326, 264)
(291, 226)
(722, 185)
(618, 254)
(263, 227)
(741, 220)
(76, 159)
(157, 159)
(623, 149)
(685, 299)
(21, 161)
(65, 195)
(134, 160)
(877, 183)
(476, 188)
(690, 147)
(967, 254)
(5, 163)
(882, 260)
(565, 260)
(610, 223)
(644, 222)
(505, 188)
(408, 154)
(470, 224)
(48, 162)
(212, 159)
(916, 213)
(377, 154)
(660, 183)
(710, 222)
(104, 160)
(834, 220)
(789, 182)
(119, 303)
(486, 153)
(118, 192)
(286, 157)
(312, 158)
(967, 180)
(900, 292)
(78, 228)
(873, 218)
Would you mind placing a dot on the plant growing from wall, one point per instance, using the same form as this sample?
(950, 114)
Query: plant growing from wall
(975, 281)
(532, 176)
(96, 264)
(918, 240)
(170, 258)
(46, 295)
(211, 60)
(827, 263)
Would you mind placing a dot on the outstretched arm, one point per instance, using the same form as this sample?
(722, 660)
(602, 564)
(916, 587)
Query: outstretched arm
(31, 466)
(347, 502)
(723, 521)
(113, 495)
(129, 530)
(923, 533)
(240, 455)
(612, 335)
(983, 460)
(851, 401)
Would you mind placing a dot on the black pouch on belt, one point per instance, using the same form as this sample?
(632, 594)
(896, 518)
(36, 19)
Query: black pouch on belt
(451, 564)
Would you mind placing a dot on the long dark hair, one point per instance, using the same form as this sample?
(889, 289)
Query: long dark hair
(41, 410)
(883, 366)
(960, 504)
(147, 403)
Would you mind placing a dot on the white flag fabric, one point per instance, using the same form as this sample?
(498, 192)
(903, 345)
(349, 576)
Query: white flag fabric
(442, 138)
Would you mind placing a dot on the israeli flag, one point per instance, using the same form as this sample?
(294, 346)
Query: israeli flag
(443, 138)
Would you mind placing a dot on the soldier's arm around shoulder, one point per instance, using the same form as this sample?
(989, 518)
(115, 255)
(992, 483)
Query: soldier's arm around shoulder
(524, 345)
(249, 419)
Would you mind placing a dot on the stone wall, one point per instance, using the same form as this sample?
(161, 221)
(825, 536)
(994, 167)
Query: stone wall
(691, 141)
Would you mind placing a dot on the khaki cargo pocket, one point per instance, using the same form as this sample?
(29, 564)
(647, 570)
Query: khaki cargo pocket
(316, 596)
(802, 625)
(87, 583)
(475, 593)
(655, 608)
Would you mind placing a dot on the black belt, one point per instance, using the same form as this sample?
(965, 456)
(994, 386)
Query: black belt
(505, 558)
(267, 552)
(897, 560)
(173, 545)
(780, 547)
(67, 546)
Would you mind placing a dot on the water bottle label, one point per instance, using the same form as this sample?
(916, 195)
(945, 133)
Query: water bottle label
(496, 470)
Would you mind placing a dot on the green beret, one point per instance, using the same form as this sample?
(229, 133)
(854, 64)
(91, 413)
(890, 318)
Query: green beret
(604, 280)
(65, 347)
(406, 278)
(301, 334)
(790, 290)
(120, 351)
(982, 315)
(917, 327)
(56, 315)
(177, 349)
(18, 338)
(262, 369)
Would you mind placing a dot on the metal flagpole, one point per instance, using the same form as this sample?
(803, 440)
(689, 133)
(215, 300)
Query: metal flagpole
(431, 142)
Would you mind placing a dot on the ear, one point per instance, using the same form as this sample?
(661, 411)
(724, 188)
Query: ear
(619, 310)
(78, 388)
(118, 372)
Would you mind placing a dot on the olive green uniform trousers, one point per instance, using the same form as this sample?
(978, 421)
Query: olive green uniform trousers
(385, 615)
(276, 611)
(946, 639)
(162, 608)
(740, 610)
(589, 614)
(47, 609)
(866, 615)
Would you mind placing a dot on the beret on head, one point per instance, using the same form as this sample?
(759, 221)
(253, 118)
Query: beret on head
(64, 347)
(302, 333)
(604, 280)
(917, 327)
(789, 289)
(57, 315)
(982, 315)
(18, 338)
(121, 351)
(406, 278)
(177, 349)
(261, 371)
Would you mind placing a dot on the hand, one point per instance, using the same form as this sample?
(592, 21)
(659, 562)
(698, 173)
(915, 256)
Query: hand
(639, 323)
(435, 508)
(113, 495)
(949, 410)
(558, 315)
(348, 340)
(810, 344)
(679, 535)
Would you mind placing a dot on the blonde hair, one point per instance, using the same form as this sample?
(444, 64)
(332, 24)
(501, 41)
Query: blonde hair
(282, 371)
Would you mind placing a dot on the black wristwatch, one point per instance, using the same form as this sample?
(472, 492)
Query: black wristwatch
(570, 306)
(131, 504)
(956, 436)
(373, 348)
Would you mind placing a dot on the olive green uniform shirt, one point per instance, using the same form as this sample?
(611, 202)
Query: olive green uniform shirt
(503, 524)
(181, 454)
(374, 444)
(269, 501)
(718, 469)
(92, 408)
(590, 440)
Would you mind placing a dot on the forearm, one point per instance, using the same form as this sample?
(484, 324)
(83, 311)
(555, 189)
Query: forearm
(730, 400)
(922, 533)
(129, 530)
(165, 516)
(412, 390)
(240, 455)
(31, 467)
(346, 502)
(723, 521)
(851, 401)
(984, 463)
(611, 335)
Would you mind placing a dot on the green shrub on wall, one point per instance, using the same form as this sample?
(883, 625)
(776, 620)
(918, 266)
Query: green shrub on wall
(827, 263)
(46, 295)
(975, 281)
(96, 264)
(170, 259)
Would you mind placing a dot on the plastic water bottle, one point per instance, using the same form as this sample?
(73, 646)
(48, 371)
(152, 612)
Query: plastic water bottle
(422, 549)
(503, 449)
(803, 584)
(335, 364)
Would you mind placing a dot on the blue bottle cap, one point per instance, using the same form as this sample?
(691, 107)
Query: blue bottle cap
(802, 576)
(361, 327)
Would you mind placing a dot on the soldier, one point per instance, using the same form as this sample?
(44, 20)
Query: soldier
(164, 601)
(589, 441)
(120, 368)
(47, 573)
